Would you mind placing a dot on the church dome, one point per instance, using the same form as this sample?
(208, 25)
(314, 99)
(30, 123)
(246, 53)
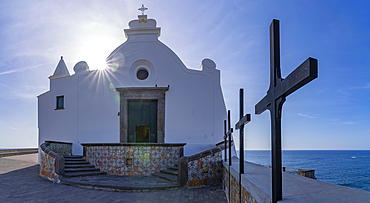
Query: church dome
(81, 66)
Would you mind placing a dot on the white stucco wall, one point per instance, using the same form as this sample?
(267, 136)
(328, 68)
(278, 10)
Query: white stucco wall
(194, 110)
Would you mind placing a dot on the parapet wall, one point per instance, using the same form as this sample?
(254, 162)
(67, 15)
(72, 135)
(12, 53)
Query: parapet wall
(61, 148)
(205, 168)
(47, 166)
(231, 183)
(133, 159)
(255, 186)
(13, 152)
(51, 163)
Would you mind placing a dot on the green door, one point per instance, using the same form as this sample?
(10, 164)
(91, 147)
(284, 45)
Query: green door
(142, 121)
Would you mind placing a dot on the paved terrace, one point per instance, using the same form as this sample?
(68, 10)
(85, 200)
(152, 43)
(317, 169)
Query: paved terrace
(257, 180)
(20, 182)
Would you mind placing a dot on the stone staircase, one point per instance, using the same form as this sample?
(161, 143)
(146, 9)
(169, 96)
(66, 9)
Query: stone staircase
(78, 166)
(170, 173)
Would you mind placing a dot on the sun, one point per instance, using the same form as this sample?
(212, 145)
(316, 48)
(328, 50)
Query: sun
(94, 51)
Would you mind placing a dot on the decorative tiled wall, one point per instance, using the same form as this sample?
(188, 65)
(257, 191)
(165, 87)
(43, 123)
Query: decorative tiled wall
(204, 168)
(225, 180)
(145, 159)
(234, 188)
(47, 166)
(60, 148)
(247, 197)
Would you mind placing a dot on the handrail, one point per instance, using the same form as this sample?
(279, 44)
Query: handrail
(59, 159)
(204, 153)
(182, 178)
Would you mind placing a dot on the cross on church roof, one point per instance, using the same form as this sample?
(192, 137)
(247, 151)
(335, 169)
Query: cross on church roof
(142, 9)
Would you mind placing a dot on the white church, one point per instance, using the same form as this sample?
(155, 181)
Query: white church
(145, 95)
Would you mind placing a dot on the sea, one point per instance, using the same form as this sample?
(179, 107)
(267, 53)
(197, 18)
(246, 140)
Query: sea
(350, 168)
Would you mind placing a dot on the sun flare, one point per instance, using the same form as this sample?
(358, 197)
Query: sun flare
(94, 51)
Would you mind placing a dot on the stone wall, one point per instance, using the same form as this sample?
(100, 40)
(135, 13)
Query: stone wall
(233, 183)
(255, 185)
(133, 159)
(205, 170)
(47, 166)
(51, 163)
(61, 148)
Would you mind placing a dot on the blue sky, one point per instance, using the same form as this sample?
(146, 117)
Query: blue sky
(331, 112)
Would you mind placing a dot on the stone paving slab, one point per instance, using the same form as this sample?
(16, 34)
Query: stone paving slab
(23, 184)
(121, 183)
(11, 163)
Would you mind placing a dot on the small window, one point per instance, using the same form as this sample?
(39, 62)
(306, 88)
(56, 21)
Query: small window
(142, 74)
(60, 102)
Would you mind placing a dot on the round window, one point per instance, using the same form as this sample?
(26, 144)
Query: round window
(142, 74)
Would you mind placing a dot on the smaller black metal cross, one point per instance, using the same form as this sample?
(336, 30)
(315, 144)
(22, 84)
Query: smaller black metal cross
(240, 126)
(229, 134)
(142, 9)
(279, 89)
(225, 136)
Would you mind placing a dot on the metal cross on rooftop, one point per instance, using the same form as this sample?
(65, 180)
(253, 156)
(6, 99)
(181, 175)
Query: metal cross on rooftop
(142, 9)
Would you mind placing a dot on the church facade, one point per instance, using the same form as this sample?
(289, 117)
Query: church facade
(145, 95)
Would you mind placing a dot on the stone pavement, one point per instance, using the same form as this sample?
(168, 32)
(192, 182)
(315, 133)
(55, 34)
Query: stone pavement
(20, 182)
(121, 183)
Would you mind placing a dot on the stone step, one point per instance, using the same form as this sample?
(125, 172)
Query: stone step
(86, 173)
(172, 178)
(74, 159)
(68, 170)
(74, 156)
(173, 168)
(79, 166)
(172, 172)
(75, 162)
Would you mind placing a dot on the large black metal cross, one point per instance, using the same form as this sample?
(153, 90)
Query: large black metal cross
(240, 126)
(279, 89)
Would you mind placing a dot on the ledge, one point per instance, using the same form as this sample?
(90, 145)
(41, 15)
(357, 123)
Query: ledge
(257, 181)
(58, 142)
(222, 144)
(128, 89)
(204, 153)
(135, 144)
(14, 152)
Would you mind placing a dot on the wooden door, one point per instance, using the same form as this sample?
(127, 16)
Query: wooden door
(142, 121)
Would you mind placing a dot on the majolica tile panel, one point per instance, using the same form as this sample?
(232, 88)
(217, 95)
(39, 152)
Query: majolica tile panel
(234, 188)
(132, 160)
(225, 179)
(200, 170)
(60, 148)
(47, 165)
